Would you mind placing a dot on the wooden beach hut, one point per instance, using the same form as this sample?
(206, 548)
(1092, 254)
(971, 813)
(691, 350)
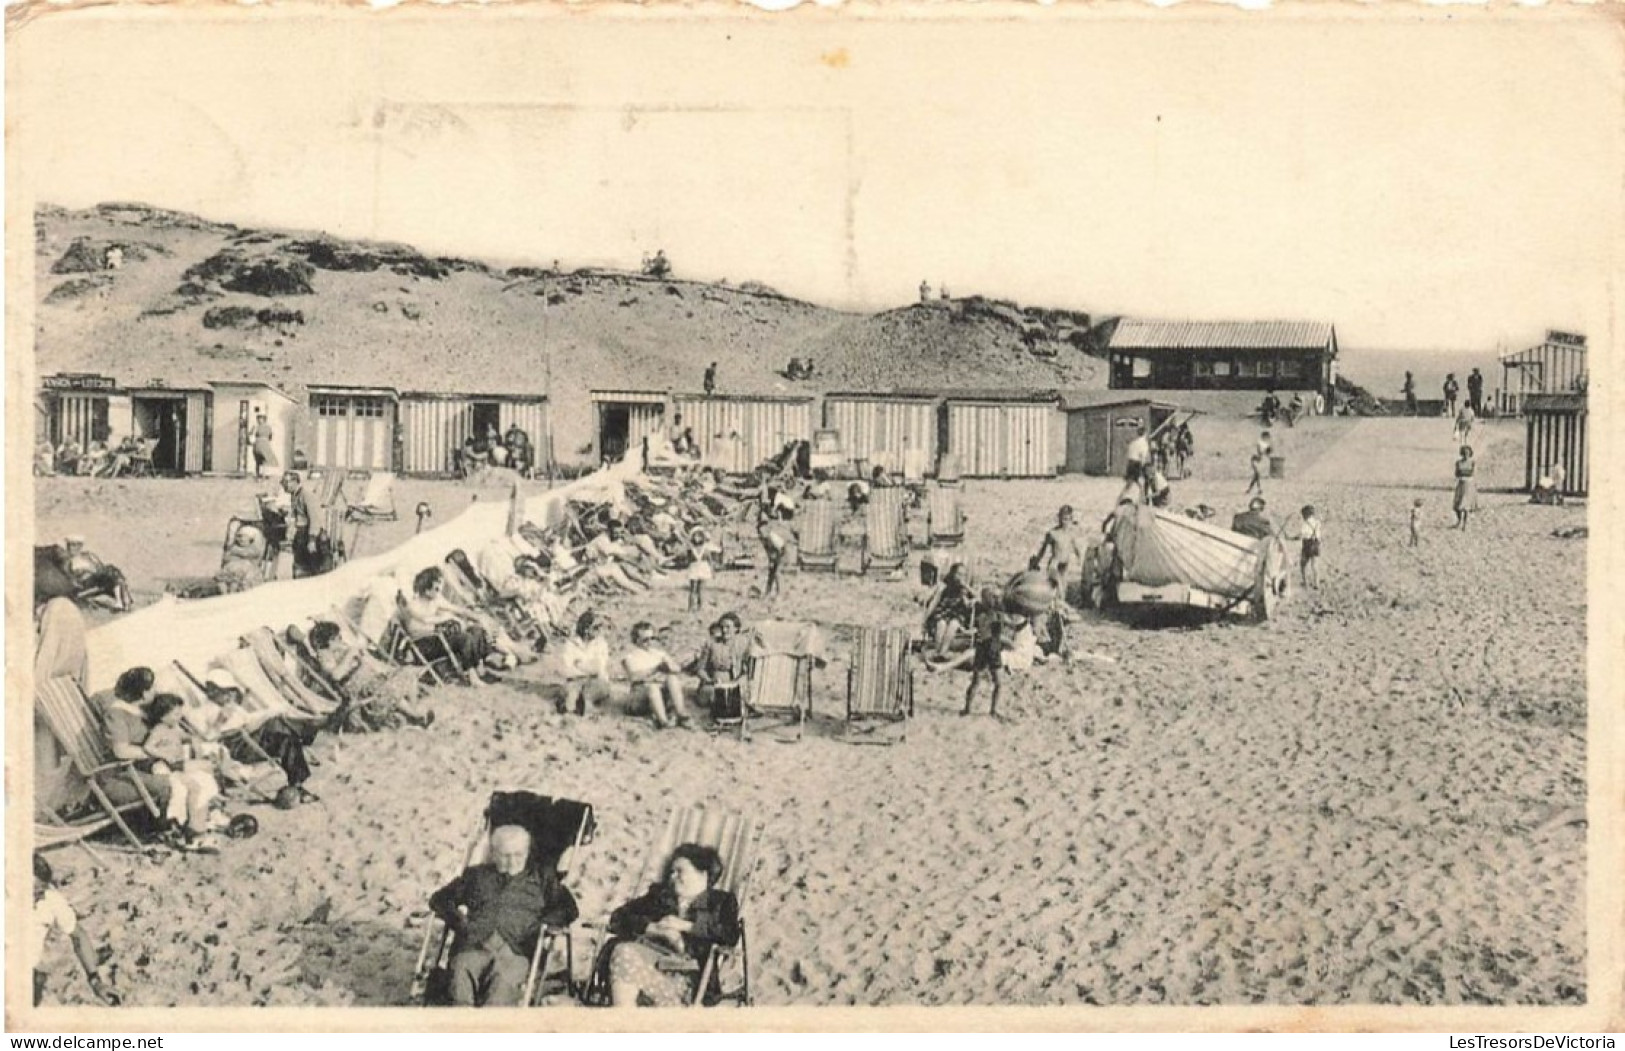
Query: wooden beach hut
(433, 425)
(1002, 434)
(1098, 433)
(736, 432)
(1557, 435)
(896, 430)
(622, 418)
(354, 427)
(235, 404)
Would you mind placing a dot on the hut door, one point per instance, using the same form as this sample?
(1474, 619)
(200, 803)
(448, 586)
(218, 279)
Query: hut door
(614, 425)
(487, 417)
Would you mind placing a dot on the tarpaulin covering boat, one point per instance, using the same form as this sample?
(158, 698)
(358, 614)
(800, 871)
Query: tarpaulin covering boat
(1156, 557)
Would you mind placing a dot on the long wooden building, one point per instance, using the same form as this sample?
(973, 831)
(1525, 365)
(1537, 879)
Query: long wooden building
(1223, 355)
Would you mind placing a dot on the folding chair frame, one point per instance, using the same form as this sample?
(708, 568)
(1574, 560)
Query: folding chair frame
(889, 561)
(595, 991)
(903, 669)
(536, 977)
(402, 648)
(59, 693)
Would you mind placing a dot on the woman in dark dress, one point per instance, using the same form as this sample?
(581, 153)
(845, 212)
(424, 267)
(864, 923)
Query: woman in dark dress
(667, 934)
(949, 610)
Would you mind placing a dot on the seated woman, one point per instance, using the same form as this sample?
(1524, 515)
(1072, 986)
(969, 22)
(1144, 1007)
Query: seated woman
(666, 935)
(721, 666)
(428, 611)
(615, 562)
(185, 791)
(243, 565)
(521, 579)
(583, 666)
(380, 696)
(655, 674)
(948, 611)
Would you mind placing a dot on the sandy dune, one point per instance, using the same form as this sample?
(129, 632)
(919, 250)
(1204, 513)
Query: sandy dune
(1377, 798)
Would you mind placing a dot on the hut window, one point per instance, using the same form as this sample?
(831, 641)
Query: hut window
(369, 407)
(1221, 368)
(1289, 368)
(1204, 367)
(1142, 368)
(327, 405)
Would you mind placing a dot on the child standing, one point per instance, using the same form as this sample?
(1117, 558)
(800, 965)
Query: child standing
(53, 913)
(989, 648)
(1064, 551)
(1416, 522)
(1309, 563)
(701, 570)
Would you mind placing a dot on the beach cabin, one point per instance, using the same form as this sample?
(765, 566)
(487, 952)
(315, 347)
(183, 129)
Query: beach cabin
(353, 427)
(236, 405)
(737, 432)
(621, 419)
(897, 430)
(1557, 435)
(1098, 433)
(1002, 434)
(1556, 366)
(433, 425)
(178, 420)
(1222, 355)
(83, 407)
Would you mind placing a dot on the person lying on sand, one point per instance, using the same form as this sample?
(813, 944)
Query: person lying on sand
(656, 676)
(380, 696)
(496, 912)
(665, 936)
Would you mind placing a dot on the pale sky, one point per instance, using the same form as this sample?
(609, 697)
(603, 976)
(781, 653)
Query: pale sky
(1441, 182)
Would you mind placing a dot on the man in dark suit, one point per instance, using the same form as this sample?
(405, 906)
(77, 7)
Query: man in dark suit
(1253, 522)
(497, 911)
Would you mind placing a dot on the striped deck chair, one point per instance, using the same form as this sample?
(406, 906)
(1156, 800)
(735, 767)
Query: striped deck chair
(733, 836)
(885, 545)
(778, 677)
(432, 651)
(176, 679)
(815, 547)
(946, 515)
(76, 724)
(376, 502)
(512, 613)
(284, 673)
(880, 683)
(558, 829)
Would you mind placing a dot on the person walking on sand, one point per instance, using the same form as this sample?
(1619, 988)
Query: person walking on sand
(1465, 501)
(1464, 426)
(1260, 463)
(1137, 454)
(1062, 546)
(1452, 390)
(1309, 558)
(1416, 522)
(1475, 391)
(989, 649)
(1409, 390)
(710, 379)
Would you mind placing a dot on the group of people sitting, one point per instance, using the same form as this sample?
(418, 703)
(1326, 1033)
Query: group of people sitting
(491, 448)
(132, 454)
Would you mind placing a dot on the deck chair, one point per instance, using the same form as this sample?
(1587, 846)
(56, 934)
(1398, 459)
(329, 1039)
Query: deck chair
(734, 837)
(815, 547)
(946, 515)
(885, 545)
(76, 724)
(778, 678)
(181, 682)
(432, 652)
(558, 829)
(511, 612)
(880, 683)
(377, 500)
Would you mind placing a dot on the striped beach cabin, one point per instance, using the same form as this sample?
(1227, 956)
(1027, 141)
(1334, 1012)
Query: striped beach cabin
(1557, 435)
(433, 425)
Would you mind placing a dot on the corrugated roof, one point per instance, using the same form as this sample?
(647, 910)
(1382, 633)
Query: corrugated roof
(1072, 401)
(1133, 334)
